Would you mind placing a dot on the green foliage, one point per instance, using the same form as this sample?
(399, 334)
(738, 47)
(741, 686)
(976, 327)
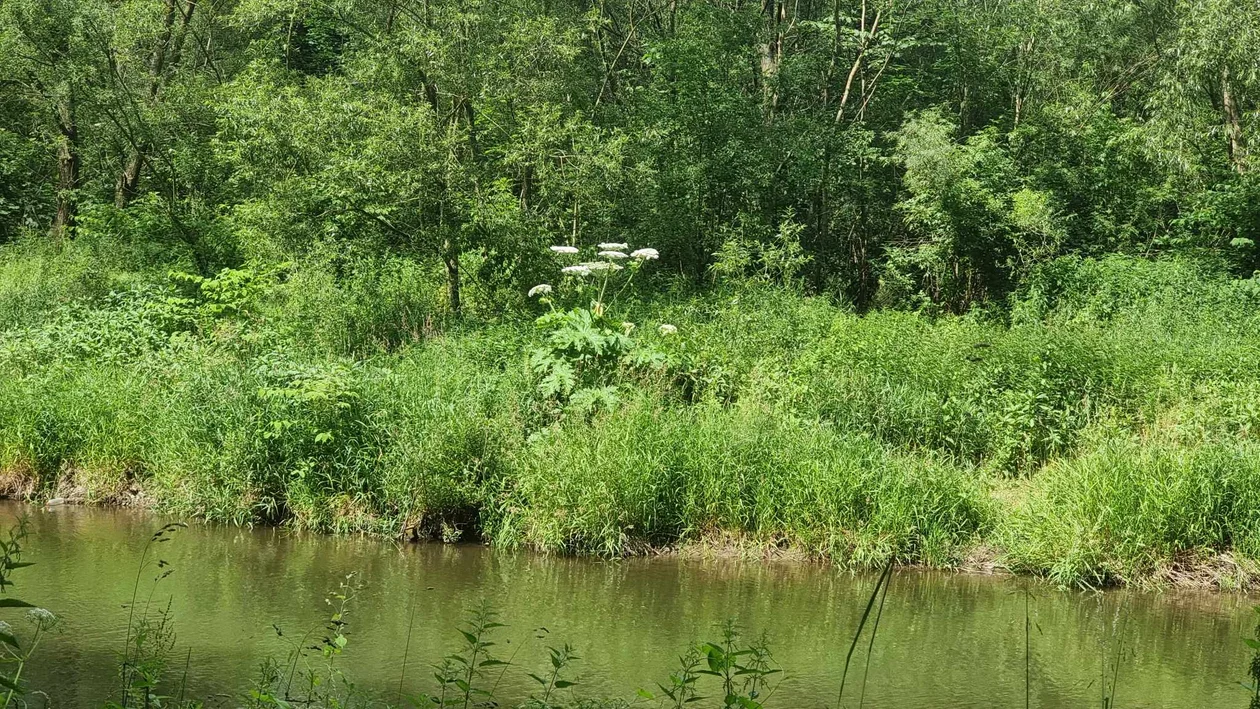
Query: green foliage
(1128, 511)
(310, 674)
(1253, 668)
(462, 675)
(586, 351)
(646, 474)
(290, 271)
(927, 160)
(36, 279)
(561, 659)
(356, 304)
(780, 260)
(758, 415)
(960, 212)
(148, 649)
(15, 653)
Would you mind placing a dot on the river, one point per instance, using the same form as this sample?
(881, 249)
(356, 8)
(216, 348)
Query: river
(945, 640)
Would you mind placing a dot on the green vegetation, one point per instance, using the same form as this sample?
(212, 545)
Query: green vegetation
(922, 282)
(1098, 442)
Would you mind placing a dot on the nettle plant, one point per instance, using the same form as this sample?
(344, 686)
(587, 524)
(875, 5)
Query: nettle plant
(587, 348)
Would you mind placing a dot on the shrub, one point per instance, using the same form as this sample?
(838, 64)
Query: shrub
(357, 304)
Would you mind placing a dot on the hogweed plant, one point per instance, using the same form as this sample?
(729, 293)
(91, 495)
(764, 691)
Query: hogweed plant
(41, 621)
(586, 347)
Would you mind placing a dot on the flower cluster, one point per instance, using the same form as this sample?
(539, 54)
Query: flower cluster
(41, 617)
(585, 351)
(608, 254)
(609, 259)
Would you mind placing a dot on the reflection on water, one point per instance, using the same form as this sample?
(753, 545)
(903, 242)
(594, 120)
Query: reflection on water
(945, 640)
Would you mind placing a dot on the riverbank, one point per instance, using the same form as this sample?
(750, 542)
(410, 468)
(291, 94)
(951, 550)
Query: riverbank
(1099, 431)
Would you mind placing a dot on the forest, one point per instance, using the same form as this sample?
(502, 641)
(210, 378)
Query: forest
(959, 283)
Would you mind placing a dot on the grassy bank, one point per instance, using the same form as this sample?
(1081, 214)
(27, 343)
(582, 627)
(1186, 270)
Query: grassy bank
(1100, 428)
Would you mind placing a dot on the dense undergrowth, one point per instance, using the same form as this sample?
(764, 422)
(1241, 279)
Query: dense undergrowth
(1100, 429)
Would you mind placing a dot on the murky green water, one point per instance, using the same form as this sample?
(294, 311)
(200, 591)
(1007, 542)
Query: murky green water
(945, 640)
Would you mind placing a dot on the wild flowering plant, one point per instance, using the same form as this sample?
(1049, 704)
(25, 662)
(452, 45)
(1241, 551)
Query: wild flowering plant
(586, 348)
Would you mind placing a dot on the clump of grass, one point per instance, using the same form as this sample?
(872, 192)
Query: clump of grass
(81, 428)
(652, 475)
(357, 304)
(452, 429)
(1127, 510)
(36, 278)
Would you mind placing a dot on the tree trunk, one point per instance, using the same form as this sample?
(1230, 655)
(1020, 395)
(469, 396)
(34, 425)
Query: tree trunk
(1233, 125)
(67, 171)
(166, 54)
(129, 179)
(450, 256)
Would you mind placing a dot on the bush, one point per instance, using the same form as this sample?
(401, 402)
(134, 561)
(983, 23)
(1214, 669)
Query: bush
(357, 305)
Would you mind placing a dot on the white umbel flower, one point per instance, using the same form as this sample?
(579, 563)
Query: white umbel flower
(614, 247)
(613, 254)
(667, 329)
(42, 617)
(645, 254)
(540, 289)
(581, 270)
(565, 249)
(601, 266)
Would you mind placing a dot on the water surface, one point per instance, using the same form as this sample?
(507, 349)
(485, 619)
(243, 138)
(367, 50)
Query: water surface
(946, 640)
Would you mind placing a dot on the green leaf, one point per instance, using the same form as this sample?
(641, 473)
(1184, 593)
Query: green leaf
(9, 640)
(14, 603)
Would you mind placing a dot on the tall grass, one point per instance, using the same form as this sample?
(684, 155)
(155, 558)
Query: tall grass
(327, 395)
(649, 474)
(1133, 509)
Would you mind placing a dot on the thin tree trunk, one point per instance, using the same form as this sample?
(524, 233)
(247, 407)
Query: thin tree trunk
(67, 171)
(450, 256)
(128, 183)
(165, 55)
(1233, 125)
